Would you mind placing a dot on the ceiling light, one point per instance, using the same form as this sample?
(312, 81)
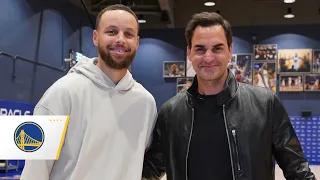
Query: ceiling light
(209, 3)
(289, 13)
(289, 1)
(142, 21)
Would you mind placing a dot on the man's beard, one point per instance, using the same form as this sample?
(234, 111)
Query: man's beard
(109, 61)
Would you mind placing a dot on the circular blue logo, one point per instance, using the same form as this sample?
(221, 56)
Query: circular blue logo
(29, 136)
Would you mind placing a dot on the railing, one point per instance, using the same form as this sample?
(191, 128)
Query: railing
(16, 57)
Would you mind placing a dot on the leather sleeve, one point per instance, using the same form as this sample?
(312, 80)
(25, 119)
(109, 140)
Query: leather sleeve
(153, 166)
(286, 146)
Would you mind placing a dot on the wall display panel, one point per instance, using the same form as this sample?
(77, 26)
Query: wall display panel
(289, 83)
(316, 61)
(172, 69)
(308, 132)
(312, 82)
(265, 75)
(243, 71)
(294, 60)
(183, 84)
(265, 52)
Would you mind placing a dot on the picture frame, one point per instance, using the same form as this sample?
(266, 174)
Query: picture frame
(174, 69)
(232, 64)
(265, 75)
(243, 68)
(294, 61)
(183, 84)
(291, 83)
(316, 61)
(312, 82)
(265, 52)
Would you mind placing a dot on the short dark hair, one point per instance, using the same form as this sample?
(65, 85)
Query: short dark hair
(207, 19)
(115, 7)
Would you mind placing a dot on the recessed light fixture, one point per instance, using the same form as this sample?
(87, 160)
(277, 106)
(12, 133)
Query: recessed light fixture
(141, 20)
(289, 1)
(209, 3)
(289, 14)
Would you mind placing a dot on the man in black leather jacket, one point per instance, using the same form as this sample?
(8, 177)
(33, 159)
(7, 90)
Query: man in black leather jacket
(220, 129)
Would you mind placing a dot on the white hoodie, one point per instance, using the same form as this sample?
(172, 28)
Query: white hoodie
(108, 131)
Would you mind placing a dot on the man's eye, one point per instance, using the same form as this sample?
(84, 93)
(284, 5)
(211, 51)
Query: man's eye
(217, 49)
(111, 32)
(129, 34)
(201, 51)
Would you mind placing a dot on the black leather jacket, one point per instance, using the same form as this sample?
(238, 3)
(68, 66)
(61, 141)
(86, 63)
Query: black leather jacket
(257, 126)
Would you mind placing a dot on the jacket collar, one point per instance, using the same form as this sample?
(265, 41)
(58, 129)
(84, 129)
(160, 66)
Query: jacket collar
(222, 98)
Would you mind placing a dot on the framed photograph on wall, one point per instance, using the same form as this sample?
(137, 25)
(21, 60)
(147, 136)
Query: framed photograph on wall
(290, 83)
(172, 69)
(312, 82)
(265, 52)
(232, 64)
(243, 68)
(265, 75)
(316, 61)
(183, 84)
(294, 60)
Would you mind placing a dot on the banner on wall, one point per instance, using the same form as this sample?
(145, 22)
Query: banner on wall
(12, 108)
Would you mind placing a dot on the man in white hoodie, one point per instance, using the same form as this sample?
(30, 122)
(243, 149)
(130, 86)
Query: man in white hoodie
(111, 115)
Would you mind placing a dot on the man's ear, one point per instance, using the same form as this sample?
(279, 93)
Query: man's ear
(138, 42)
(95, 37)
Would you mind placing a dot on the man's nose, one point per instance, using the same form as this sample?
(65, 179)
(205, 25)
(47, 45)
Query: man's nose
(120, 38)
(209, 56)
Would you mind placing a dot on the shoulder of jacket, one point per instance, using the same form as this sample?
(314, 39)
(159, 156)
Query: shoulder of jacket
(174, 101)
(255, 91)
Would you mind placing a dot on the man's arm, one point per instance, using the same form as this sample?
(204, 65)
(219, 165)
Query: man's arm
(153, 166)
(286, 146)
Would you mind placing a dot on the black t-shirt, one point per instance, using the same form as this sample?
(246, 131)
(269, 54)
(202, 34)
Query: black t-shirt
(209, 155)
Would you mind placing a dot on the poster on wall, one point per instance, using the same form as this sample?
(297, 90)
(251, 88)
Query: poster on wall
(290, 83)
(265, 52)
(312, 82)
(265, 75)
(190, 70)
(294, 60)
(316, 61)
(183, 84)
(172, 69)
(243, 68)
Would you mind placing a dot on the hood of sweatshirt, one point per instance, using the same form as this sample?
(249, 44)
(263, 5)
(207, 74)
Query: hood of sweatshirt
(87, 67)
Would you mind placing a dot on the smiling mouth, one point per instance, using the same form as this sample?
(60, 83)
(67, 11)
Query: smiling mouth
(119, 51)
(210, 66)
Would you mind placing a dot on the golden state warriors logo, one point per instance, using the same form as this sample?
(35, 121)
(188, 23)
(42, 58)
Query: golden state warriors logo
(29, 136)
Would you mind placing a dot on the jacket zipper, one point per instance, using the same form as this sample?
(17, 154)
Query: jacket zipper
(227, 131)
(237, 152)
(189, 144)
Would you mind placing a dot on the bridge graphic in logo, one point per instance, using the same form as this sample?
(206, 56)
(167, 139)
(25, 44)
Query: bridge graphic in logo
(29, 136)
